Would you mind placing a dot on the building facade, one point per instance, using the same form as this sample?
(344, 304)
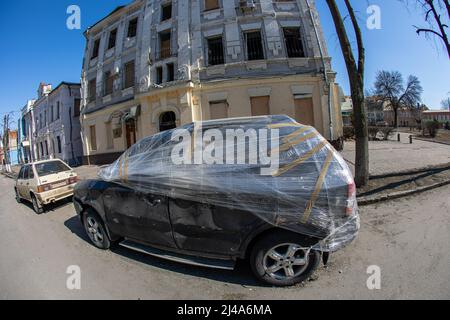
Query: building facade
(25, 124)
(443, 116)
(154, 65)
(57, 129)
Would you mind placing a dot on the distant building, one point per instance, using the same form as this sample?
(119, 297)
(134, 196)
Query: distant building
(347, 111)
(443, 116)
(24, 138)
(56, 123)
(9, 148)
(375, 108)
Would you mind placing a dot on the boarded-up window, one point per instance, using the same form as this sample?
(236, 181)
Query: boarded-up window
(211, 4)
(92, 89)
(129, 74)
(109, 81)
(109, 136)
(218, 110)
(260, 106)
(93, 138)
(304, 111)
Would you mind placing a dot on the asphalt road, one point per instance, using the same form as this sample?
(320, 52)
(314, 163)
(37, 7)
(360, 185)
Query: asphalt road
(408, 239)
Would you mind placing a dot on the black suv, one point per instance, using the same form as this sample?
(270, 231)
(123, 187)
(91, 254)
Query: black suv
(212, 215)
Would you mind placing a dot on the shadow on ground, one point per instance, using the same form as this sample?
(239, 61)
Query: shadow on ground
(242, 275)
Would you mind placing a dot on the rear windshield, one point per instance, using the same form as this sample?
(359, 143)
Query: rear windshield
(47, 168)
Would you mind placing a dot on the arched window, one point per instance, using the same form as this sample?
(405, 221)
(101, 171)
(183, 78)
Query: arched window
(167, 121)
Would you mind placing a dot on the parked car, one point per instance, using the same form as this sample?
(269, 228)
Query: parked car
(45, 182)
(213, 215)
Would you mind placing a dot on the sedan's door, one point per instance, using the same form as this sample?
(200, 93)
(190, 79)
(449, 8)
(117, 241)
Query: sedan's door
(138, 216)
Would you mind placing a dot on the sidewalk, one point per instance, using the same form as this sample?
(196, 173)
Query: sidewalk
(392, 156)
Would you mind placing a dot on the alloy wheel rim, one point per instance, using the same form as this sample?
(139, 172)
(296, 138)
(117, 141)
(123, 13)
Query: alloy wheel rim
(94, 230)
(286, 261)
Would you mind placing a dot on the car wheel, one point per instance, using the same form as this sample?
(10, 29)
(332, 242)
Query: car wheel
(36, 205)
(95, 229)
(18, 198)
(284, 258)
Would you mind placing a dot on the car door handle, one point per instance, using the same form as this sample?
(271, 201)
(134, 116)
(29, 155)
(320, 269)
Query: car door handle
(153, 203)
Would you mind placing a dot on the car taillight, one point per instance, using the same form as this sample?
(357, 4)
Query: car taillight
(44, 188)
(73, 180)
(351, 198)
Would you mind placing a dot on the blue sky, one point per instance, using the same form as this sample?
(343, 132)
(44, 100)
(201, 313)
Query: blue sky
(37, 46)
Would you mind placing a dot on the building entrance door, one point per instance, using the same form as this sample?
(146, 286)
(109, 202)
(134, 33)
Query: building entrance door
(130, 129)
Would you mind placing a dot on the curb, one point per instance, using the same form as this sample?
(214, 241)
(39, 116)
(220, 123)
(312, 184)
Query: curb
(400, 194)
(438, 142)
(444, 166)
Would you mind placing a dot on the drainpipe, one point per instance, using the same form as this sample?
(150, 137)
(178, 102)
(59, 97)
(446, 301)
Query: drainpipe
(330, 111)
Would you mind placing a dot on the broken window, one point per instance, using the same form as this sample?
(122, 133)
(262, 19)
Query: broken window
(159, 75)
(255, 49)
(293, 42)
(166, 12)
(96, 49)
(170, 72)
(215, 51)
(76, 107)
(164, 46)
(112, 39)
(132, 28)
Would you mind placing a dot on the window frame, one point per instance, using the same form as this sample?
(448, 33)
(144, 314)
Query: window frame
(135, 27)
(92, 94)
(110, 44)
(125, 74)
(246, 41)
(215, 38)
(96, 49)
(165, 6)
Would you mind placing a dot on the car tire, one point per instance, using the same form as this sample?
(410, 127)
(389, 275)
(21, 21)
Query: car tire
(37, 207)
(283, 258)
(95, 229)
(18, 198)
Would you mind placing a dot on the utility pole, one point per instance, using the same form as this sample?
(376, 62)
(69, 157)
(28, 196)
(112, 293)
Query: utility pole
(6, 142)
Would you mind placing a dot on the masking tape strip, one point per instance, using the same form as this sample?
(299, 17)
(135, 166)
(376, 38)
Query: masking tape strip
(317, 188)
(120, 169)
(300, 160)
(295, 134)
(282, 125)
(125, 179)
(299, 140)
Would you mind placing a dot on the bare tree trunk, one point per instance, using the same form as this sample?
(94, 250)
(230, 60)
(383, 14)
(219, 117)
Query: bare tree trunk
(356, 76)
(395, 116)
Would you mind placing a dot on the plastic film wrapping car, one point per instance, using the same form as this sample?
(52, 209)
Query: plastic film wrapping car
(284, 172)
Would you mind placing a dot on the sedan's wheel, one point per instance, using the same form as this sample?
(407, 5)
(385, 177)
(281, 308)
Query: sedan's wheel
(37, 207)
(95, 230)
(18, 198)
(283, 258)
